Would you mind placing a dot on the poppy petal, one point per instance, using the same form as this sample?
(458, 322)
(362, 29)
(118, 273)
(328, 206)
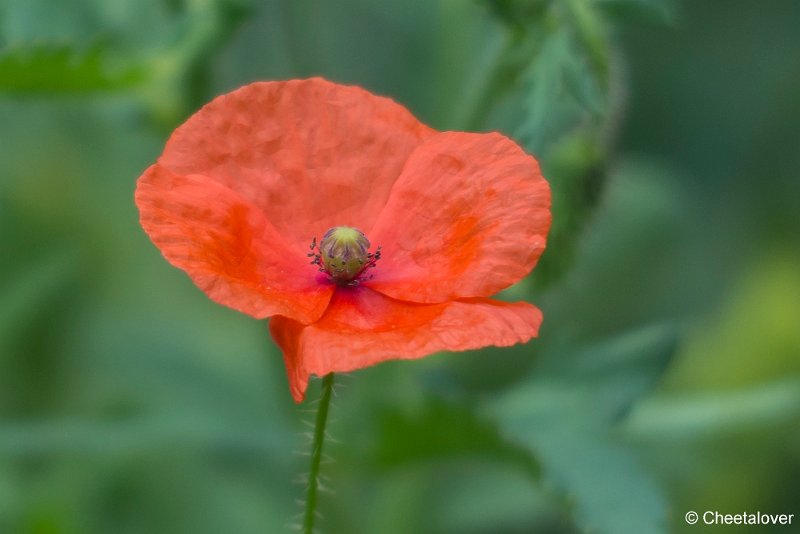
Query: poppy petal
(362, 327)
(468, 217)
(228, 247)
(310, 153)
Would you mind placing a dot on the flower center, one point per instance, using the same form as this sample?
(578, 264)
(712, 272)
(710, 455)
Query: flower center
(344, 254)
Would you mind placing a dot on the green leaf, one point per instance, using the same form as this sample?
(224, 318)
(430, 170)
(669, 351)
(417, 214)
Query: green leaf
(697, 416)
(174, 429)
(562, 112)
(32, 286)
(489, 497)
(47, 68)
(442, 430)
(517, 13)
(563, 93)
(566, 415)
(662, 11)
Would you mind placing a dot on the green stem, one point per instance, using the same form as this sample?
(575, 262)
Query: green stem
(316, 454)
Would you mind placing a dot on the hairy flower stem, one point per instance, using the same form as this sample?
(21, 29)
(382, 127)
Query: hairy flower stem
(316, 454)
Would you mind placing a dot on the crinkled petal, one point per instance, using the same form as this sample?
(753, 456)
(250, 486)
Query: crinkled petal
(228, 247)
(362, 327)
(468, 217)
(310, 153)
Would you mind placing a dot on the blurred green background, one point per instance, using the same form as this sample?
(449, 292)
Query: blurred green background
(667, 374)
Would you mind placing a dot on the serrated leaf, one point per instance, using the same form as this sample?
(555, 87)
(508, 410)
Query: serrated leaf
(562, 94)
(565, 100)
(566, 415)
(442, 430)
(63, 69)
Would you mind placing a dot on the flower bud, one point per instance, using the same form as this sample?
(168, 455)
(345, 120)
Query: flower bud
(344, 251)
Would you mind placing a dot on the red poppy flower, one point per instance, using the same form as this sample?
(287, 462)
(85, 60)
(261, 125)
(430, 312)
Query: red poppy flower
(249, 182)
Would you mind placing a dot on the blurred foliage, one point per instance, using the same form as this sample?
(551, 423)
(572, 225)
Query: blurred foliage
(566, 412)
(55, 69)
(667, 374)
